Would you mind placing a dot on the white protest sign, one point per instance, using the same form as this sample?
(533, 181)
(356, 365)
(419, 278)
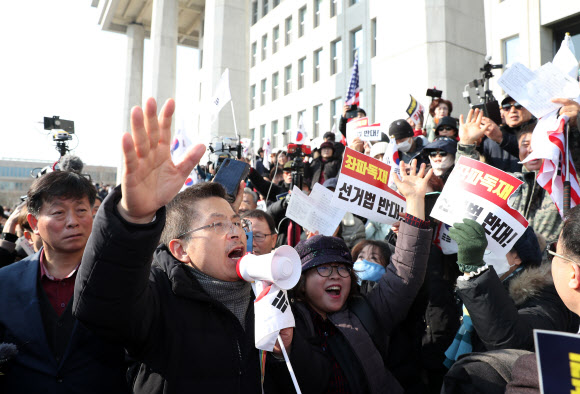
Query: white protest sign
(362, 189)
(414, 110)
(351, 127)
(478, 191)
(369, 133)
(535, 89)
(315, 212)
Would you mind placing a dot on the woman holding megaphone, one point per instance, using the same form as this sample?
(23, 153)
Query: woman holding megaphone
(340, 338)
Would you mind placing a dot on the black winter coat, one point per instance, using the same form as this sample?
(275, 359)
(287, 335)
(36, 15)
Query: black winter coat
(505, 320)
(185, 340)
(329, 169)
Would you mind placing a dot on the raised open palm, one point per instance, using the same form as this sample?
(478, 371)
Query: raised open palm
(150, 179)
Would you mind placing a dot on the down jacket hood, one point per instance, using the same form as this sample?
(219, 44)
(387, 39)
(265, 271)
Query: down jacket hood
(530, 283)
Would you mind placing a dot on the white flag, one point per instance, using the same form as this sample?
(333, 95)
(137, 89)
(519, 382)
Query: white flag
(222, 94)
(272, 312)
(267, 152)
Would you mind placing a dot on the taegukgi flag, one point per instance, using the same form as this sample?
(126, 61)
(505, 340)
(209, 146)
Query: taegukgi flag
(272, 312)
(301, 136)
(222, 94)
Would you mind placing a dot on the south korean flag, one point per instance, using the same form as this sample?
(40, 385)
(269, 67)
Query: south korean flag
(272, 312)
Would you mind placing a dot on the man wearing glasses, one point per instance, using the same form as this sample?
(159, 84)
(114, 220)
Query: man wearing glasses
(178, 307)
(264, 235)
(498, 144)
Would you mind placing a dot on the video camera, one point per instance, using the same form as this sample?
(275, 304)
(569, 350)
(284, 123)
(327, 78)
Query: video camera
(300, 151)
(61, 138)
(222, 148)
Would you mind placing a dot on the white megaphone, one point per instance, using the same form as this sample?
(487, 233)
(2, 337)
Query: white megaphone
(282, 267)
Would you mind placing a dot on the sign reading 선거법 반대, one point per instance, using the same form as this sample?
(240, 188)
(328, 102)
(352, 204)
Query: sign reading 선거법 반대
(478, 191)
(362, 189)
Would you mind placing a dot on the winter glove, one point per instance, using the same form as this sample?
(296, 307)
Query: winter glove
(471, 244)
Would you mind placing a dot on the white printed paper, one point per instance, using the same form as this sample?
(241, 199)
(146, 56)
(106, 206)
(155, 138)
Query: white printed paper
(315, 212)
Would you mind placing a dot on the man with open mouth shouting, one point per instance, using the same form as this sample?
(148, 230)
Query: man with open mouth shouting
(178, 308)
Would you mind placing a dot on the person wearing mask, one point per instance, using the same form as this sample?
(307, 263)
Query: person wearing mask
(447, 127)
(409, 147)
(441, 155)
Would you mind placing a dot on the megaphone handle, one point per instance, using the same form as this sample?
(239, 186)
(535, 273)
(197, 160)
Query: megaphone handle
(292, 375)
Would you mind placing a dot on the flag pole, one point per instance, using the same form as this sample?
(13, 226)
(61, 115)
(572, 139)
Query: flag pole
(236, 130)
(290, 369)
(566, 162)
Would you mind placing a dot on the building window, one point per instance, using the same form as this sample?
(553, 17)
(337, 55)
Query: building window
(253, 134)
(511, 49)
(254, 12)
(288, 79)
(374, 36)
(335, 57)
(317, 6)
(356, 41)
(264, 45)
(335, 112)
(262, 134)
(301, 21)
(275, 39)
(316, 120)
(264, 7)
(263, 93)
(254, 53)
(335, 7)
(351, 2)
(274, 86)
(287, 129)
(274, 131)
(252, 97)
(275, 3)
(374, 100)
(288, 33)
(301, 68)
(316, 65)
(301, 115)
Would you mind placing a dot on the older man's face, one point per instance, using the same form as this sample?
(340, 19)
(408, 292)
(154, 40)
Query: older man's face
(525, 145)
(248, 203)
(515, 114)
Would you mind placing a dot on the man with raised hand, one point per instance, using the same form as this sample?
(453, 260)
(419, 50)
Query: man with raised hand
(186, 318)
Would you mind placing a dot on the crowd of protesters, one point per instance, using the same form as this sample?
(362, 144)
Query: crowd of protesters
(134, 288)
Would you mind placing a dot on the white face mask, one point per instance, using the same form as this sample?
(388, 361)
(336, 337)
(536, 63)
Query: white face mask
(405, 146)
(499, 263)
(440, 167)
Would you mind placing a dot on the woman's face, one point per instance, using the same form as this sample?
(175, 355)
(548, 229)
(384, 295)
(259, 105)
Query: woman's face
(326, 294)
(371, 253)
(441, 111)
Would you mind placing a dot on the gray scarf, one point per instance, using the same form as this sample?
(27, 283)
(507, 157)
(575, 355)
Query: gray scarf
(234, 295)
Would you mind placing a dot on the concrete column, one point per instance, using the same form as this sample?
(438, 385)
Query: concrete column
(134, 78)
(164, 39)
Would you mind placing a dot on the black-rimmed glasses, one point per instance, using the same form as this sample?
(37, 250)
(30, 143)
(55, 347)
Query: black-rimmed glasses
(261, 237)
(326, 270)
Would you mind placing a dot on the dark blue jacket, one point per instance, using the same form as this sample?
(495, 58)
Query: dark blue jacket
(89, 365)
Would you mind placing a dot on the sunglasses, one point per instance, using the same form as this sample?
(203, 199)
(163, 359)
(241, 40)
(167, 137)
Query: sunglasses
(446, 128)
(509, 106)
(437, 153)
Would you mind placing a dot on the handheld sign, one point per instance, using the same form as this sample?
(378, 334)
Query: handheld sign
(558, 356)
(351, 127)
(414, 110)
(480, 192)
(362, 189)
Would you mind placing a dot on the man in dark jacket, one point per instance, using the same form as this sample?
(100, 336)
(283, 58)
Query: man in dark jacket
(409, 147)
(324, 167)
(187, 318)
(56, 354)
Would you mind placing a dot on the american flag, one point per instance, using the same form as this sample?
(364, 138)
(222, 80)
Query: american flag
(353, 87)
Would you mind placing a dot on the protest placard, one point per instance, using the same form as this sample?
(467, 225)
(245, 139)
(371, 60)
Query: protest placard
(478, 191)
(315, 212)
(362, 189)
(368, 133)
(351, 127)
(414, 110)
(558, 356)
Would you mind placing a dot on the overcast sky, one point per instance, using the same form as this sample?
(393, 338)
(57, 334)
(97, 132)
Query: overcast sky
(57, 61)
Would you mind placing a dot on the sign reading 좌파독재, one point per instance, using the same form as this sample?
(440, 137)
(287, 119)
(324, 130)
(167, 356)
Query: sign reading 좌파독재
(480, 192)
(558, 356)
(362, 189)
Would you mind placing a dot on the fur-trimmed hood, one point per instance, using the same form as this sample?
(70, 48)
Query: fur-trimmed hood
(530, 283)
